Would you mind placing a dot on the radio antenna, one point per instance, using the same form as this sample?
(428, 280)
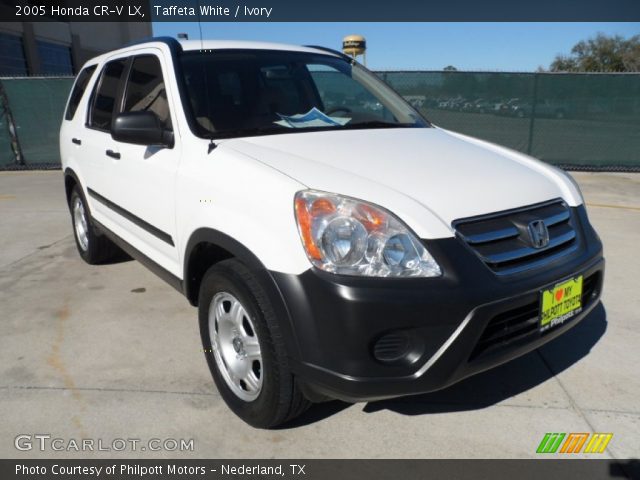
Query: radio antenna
(200, 28)
(212, 144)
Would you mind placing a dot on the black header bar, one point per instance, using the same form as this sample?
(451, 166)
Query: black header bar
(320, 10)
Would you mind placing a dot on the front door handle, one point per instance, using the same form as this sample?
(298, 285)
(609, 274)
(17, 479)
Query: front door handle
(112, 154)
(77, 141)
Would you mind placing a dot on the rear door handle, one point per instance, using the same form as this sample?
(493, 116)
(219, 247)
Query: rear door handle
(77, 141)
(112, 154)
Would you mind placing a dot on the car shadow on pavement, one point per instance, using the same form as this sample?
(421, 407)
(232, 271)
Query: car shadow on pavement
(503, 382)
(119, 256)
(316, 413)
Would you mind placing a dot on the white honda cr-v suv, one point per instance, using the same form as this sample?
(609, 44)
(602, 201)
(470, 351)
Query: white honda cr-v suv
(336, 243)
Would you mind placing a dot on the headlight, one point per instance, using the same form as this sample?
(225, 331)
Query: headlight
(350, 237)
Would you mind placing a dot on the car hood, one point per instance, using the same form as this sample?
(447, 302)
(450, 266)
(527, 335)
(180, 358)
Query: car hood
(445, 175)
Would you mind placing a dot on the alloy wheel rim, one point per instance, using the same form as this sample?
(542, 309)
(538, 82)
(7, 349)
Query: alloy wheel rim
(235, 346)
(80, 224)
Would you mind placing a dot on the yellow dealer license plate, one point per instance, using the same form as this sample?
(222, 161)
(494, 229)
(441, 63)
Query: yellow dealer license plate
(561, 303)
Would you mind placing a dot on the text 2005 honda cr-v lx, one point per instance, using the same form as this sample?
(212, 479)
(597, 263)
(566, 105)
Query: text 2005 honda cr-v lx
(336, 244)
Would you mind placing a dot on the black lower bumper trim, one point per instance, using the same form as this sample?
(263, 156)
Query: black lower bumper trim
(349, 329)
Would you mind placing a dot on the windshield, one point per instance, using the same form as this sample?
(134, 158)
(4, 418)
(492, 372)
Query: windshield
(259, 92)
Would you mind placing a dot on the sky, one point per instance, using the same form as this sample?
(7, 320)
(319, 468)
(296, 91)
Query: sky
(517, 47)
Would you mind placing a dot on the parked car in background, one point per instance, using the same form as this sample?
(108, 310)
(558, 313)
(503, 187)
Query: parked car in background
(485, 106)
(416, 101)
(452, 103)
(504, 108)
(469, 106)
(544, 108)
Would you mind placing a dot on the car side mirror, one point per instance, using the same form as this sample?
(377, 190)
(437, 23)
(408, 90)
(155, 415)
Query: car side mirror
(141, 128)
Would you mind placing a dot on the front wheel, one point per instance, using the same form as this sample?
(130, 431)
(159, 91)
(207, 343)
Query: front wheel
(244, 349)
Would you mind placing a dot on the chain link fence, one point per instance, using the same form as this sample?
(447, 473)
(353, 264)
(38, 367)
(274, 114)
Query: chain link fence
(577, 121)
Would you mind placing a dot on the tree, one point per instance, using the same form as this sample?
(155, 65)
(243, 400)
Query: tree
(450, 68)
(601, 54)
(631, 57)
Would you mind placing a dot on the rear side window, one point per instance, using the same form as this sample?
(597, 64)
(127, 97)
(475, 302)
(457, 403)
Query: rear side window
(104, 99)
(146, 90)
(78, 90)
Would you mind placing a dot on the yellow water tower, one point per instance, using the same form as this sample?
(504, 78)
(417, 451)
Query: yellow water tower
(354, 45)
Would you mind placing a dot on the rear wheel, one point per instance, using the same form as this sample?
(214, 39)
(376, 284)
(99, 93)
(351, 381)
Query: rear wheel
(244, 348)
(94, 248)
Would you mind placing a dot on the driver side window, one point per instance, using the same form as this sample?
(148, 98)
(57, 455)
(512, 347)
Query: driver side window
(146, 90)
(103, 104)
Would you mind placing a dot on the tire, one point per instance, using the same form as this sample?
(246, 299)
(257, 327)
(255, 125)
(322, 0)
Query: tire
(93, 247)
(270, 395)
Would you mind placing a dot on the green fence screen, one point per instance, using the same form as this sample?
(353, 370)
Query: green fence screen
(589, 121)
(36, 106)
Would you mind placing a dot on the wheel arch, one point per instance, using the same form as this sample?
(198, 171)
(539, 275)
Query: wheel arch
(206, 247)
(70, 180)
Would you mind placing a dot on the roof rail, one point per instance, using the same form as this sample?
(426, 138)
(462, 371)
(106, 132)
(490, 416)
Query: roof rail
(171, 42)
(335, 52)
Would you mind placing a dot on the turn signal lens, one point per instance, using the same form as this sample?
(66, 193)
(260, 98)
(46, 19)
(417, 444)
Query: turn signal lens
(350, 237)
(304, 226)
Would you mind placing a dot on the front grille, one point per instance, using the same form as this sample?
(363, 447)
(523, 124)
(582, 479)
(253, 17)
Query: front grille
(521, 324)
(502, 240)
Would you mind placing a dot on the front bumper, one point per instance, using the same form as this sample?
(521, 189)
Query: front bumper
(347, 329)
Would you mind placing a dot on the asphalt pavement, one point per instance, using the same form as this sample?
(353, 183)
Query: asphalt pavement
(111, 352)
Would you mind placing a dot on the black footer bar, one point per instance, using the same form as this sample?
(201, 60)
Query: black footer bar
(320, 469)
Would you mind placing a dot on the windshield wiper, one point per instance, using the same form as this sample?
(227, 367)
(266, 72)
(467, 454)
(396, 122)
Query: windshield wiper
(241, 132)
(379, 124)
(247, 132)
